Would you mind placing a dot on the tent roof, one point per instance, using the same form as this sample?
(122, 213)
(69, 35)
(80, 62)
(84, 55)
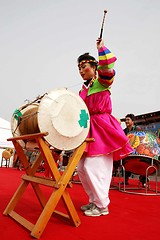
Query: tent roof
(5, 133)
(4, 124)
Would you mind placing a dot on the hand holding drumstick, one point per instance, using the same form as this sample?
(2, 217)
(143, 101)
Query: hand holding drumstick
(100, 43)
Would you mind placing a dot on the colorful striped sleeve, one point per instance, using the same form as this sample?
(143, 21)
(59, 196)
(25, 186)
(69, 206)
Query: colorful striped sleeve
(106, 58)
(106, 72)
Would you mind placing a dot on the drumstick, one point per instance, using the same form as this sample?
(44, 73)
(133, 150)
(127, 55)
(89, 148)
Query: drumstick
(105, 12)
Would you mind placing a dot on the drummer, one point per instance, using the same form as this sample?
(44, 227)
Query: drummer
(131, 126)
(95, 167)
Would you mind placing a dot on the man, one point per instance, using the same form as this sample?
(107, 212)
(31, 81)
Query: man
(130, 126)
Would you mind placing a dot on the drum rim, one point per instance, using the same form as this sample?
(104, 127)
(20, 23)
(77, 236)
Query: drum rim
(141, 156)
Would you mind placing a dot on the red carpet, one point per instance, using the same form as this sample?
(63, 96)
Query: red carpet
(132, 217)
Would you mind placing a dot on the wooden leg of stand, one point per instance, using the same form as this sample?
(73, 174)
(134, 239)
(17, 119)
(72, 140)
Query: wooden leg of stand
(16, 197)
(57, 194)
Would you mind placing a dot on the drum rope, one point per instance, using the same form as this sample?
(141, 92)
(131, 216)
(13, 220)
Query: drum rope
(23, 119)
(34, 101)
(29, 115)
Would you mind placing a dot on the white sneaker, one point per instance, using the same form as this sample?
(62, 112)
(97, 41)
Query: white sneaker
(95, 211)
(87, 207)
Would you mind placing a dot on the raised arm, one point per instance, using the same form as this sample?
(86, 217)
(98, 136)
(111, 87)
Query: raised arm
(106, 72)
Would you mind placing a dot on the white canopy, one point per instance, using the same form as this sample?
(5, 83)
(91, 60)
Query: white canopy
(5, 133)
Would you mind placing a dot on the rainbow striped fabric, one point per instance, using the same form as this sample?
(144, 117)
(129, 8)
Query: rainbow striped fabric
(106, 72)
(106, 58)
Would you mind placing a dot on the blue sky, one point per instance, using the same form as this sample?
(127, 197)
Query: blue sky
(41, 40)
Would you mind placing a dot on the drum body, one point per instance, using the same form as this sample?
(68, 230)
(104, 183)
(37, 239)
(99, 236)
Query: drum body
(6, 154)
(146, 153)
(61, 113)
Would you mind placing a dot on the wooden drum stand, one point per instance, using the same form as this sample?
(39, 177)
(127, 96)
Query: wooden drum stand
(58, 182)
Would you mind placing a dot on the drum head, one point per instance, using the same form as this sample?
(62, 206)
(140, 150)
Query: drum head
(65, 117)
(146, 153)
(139, 164)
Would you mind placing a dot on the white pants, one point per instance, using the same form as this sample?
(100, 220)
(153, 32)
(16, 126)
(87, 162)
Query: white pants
(95, 174)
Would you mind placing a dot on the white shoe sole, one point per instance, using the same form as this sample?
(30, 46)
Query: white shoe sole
(96, 215)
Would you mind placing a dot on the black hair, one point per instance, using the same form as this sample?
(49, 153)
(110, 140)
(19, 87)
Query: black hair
(131, 116)
(87, 57)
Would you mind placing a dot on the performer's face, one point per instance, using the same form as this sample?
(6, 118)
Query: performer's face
(87, 71)
(129, 122)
